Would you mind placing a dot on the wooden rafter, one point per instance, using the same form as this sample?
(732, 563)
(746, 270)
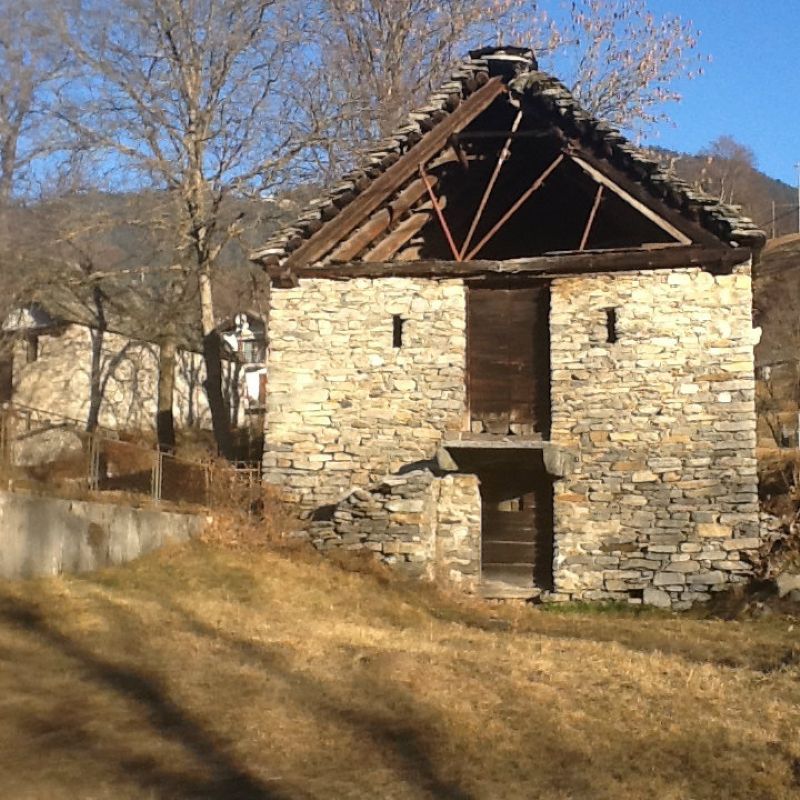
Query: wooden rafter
(380, 221)
(539, 133)
(644, 210)
(387, 247)
(537, 184)
(689, 230)
(437, 206)
(501, 159)
(353, 214)
(590, 221)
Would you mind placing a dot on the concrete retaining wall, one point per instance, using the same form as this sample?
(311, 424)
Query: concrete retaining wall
(50, 536)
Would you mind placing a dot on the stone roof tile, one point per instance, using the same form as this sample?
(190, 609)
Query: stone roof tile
(520, 71)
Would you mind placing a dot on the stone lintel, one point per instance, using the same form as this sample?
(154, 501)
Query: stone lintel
(558, 461)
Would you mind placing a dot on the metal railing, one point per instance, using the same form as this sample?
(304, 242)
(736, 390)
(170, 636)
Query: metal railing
(46, 451)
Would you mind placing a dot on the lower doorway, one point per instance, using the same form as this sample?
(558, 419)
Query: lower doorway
(516, 526)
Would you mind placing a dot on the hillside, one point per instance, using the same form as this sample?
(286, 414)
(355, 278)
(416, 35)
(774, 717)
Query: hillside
(737, 180)
(205, 673)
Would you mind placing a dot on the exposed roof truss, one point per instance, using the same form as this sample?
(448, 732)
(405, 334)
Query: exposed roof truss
(501, 164)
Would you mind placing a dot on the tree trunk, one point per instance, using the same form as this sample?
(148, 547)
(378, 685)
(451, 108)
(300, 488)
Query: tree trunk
(95, 381)
(165, 423)
(212, 356)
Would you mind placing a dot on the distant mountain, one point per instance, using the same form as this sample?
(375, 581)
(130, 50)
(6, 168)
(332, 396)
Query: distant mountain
(128, 241)
(727, 171)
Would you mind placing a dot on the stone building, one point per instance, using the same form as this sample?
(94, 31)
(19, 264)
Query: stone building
(511, 352)
(58, 361)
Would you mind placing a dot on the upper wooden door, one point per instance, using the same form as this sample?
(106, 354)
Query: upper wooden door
(508, 360)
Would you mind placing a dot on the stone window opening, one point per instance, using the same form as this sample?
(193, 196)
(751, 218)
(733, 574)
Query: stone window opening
(397, 330)
(612, 335)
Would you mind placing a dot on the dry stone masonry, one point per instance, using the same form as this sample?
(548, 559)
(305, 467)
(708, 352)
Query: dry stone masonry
(425, 525)
(348, 402)
(661, 504)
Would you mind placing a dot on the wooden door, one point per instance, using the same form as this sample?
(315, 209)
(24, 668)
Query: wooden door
(516, 526)
(508, 360)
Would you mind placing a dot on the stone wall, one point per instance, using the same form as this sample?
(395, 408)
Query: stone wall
(663, 502)
(58, 380)
(49, 536)
(458, 530)
(345, 405)
(652, 390)
(424, 525)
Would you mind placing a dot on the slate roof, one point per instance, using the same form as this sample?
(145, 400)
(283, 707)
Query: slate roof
(519, 70)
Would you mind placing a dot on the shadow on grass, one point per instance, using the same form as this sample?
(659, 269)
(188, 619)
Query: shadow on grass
(545, 757)
(405, 743)
(542, 748)
(227, 780)
(395, 719)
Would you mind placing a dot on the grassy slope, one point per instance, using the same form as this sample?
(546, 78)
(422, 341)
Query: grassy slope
(199, 673)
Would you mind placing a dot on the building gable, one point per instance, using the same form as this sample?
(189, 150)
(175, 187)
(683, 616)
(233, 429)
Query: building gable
(501, 165)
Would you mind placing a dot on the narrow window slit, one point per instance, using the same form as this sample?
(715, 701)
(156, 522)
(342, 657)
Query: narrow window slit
(397, 330)
(611, 325)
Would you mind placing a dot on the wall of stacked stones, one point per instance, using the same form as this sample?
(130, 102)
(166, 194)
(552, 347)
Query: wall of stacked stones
(663, 502)
(59, 380)
(424, 525)
(345, 405)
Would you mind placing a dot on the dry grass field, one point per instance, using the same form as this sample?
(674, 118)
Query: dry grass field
(201, 672)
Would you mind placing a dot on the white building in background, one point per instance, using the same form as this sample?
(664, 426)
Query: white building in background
(50, 363)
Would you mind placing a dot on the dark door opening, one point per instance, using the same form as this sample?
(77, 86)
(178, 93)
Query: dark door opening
(516, 524)
(7, 379)
(508, 360)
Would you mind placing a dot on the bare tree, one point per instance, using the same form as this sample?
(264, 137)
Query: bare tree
(382, 56)
(728, 168)
(32, 62)
(621, 60)
(193, 97)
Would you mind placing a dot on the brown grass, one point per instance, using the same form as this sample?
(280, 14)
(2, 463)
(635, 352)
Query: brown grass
(204, 673)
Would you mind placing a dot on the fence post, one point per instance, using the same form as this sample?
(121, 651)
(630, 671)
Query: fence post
(94, 462)
(155, 482)
(6, 438)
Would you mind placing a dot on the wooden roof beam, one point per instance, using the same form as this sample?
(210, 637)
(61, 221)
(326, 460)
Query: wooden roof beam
(385, 249)
(380, 221)
(615, 180)
(354, 213)
(714, 259)
(645, 211)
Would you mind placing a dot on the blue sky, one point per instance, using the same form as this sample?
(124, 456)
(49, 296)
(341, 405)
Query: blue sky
(751, 88)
